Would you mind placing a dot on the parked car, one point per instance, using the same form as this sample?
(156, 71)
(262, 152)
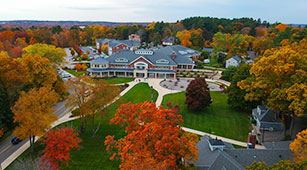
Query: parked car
(65, 75)
(15, 141)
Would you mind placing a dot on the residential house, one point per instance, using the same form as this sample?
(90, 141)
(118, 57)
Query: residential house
(115, 46)
(143, 63)
(266, 119)
(168, 40)
(233, 61)
(183, 51)
(134, 37)
(215, 154)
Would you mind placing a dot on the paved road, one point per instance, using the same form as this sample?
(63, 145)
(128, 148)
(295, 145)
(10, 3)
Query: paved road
(7, 149)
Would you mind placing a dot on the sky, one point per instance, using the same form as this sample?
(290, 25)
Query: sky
(285, 11)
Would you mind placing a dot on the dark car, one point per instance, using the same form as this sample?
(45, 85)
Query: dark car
(15, 141)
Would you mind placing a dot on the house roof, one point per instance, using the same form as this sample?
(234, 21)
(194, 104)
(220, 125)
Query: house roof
(99, 60)
(154, 58)
(233, 159)
(224, 161)
(246, 157)
(216, 142)
(266, 114)
(169, 39)
(237, 58)
(277, 145)
(208, 49)
(129, 43)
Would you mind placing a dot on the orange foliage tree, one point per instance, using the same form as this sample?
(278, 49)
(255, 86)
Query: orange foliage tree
(58, 143)
(33, 113)
(184, 37)
(13, 75)
(78, 66)
(155, 139)
(281, 27)
(299, 146)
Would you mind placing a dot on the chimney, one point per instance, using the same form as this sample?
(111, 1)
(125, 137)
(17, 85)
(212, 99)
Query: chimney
(252, 140)
(173, 55)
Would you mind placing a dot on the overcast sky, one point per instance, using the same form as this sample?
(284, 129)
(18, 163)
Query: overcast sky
(285, 11)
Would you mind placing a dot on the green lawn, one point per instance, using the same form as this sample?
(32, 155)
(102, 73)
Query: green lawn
(119, 80)
(93, 153)
(73, 72)
(219, 118)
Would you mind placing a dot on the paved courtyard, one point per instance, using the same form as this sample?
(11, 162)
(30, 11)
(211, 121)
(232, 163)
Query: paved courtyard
(182, 84)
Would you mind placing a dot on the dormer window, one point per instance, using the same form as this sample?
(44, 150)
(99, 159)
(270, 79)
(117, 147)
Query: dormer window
(123, 60)
(162, 61)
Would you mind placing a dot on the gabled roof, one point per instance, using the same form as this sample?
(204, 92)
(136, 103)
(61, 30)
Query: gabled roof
(237, 58)
(169, 39)
(266, 114)
(129, 43)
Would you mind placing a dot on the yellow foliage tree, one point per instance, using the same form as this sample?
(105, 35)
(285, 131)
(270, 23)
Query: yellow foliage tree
(299, 146)
(33, 113)
(279, 77)
(54, 55)
(40, 71)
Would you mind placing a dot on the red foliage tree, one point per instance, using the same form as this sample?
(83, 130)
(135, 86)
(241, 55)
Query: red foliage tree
(154, 138)
(58, 144)
(198, 95)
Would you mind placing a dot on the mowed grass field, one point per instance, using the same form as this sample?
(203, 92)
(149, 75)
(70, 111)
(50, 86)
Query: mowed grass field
(93, 153)
(219, 118)
(119, 80)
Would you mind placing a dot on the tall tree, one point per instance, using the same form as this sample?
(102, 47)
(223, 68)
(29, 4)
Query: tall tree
(58, 143)
(154, 138)
(198, 94)
(81, 87)
(102, 95)
(33, 113)
(235, 94)
(40, 71)
(280, 77)
(55, 55)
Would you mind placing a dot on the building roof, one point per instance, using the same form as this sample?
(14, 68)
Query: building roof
(169, 39)
(237, 159)
(266, 115)
(99, 60)
(277, 145)
(103, 41)
(216, 142)
(159, 57)
(246, 157)
(129, 43)
(237, 58)
(208, 49)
